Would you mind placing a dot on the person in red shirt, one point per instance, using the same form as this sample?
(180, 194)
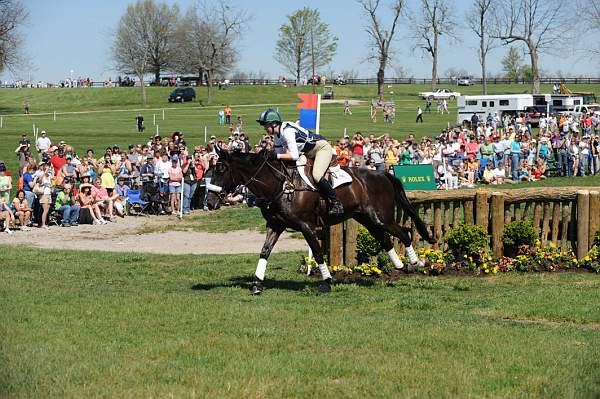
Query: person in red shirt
(357, 150)
(58, 160)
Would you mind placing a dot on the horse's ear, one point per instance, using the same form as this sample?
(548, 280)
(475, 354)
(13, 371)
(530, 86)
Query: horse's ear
(220, 152)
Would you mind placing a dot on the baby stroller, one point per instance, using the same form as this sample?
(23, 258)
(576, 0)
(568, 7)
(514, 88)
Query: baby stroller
(158, 202)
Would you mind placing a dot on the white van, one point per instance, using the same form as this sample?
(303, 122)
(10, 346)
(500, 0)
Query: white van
(491, 104)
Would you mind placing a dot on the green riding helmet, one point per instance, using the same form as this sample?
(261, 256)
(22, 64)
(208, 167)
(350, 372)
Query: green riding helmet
(269, 116)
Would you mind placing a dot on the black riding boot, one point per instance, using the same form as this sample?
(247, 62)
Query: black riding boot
(335, 206)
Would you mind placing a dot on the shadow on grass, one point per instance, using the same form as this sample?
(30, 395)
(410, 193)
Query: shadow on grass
(289, 285)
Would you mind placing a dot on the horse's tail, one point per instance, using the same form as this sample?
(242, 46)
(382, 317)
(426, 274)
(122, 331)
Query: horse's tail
(403, 201)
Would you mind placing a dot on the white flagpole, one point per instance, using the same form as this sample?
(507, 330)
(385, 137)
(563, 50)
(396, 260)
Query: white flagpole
(318, 113)
(205, 132)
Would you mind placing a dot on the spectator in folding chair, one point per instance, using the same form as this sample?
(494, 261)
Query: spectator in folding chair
(6, 216)
(22, 210)
(66, 204)
(103, 199)
(86, 200)
(122, 193)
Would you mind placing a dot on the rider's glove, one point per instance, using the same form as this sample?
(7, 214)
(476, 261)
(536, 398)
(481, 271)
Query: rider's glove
(272, 155)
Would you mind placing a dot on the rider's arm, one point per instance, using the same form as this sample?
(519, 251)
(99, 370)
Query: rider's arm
(288, 137)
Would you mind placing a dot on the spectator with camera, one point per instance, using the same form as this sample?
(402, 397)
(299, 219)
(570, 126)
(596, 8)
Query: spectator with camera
(23, 150)
(42, 188)
(175, 179)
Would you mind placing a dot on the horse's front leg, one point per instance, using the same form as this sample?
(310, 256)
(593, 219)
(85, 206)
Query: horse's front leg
(273, 233)
(313, 242)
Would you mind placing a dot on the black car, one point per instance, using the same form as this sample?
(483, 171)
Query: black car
(182, 94)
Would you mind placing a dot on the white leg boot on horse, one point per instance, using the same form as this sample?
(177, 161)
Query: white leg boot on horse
(261, 268)
(273, 234)
(395, 259)
(413, 258)
(325, 286)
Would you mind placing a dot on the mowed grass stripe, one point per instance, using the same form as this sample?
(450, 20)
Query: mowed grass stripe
(95, 324)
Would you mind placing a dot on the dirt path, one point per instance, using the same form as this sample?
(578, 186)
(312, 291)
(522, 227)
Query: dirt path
(123, 236)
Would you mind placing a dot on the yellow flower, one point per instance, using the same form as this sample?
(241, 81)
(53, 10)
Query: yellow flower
(586, 258)
(465, 256)
(495, 269)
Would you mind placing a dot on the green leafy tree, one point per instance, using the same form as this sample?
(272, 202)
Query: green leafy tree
(512, 63)
(304, 42)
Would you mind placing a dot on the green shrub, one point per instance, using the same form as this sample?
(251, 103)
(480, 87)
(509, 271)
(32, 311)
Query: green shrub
(467, 240)
(597, 239)
(366, 244)
(384, 262)
(519, 233)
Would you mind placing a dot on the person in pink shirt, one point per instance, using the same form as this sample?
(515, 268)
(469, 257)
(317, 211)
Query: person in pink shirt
(175, 180)
(102, 198)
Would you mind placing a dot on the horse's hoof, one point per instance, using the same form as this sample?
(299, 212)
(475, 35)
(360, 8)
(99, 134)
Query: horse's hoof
(325, 286)
(256, 288)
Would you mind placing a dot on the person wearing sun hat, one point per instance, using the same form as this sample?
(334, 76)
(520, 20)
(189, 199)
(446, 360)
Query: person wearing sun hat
(86, 200)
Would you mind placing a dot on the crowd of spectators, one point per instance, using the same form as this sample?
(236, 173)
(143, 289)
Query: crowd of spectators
(490, 151)
(56, 183)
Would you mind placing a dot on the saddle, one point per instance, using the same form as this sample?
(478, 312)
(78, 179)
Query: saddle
(334, 174)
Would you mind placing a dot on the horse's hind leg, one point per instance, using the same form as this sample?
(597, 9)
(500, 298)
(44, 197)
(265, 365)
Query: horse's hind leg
(397, 231)
(380, 234)
(313, 242)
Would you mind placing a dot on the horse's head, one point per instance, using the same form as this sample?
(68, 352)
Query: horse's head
(231, 170)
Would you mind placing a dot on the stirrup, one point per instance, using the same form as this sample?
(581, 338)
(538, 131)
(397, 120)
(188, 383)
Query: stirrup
(336, 208)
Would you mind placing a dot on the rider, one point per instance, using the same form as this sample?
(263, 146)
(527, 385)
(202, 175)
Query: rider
(296, 140)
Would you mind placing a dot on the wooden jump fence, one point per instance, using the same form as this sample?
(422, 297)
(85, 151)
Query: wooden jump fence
(569, 217)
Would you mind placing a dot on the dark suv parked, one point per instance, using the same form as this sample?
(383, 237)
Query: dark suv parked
(182, 94)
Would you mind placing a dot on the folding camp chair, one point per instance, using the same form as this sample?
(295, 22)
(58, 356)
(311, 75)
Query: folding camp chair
(135, 205)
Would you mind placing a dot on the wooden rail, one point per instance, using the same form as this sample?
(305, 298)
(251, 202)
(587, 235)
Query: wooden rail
(567, 216)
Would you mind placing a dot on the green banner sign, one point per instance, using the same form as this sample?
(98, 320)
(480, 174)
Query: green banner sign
(416, 177)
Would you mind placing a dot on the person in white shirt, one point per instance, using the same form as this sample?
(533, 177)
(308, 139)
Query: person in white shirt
(43, 143)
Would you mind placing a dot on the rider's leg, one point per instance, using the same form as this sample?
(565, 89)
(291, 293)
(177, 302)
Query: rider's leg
(273, 234)
(323, 154)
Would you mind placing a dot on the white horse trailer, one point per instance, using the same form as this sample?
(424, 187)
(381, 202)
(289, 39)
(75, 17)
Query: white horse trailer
(491, 104)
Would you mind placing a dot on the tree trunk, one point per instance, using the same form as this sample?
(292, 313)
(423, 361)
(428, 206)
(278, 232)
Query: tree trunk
(482, 55)
(434, 60)
(535, 89)
(200, 76)
(143, 87)
(298, 73)
(209, 84)
(157, 76)
(381, 77)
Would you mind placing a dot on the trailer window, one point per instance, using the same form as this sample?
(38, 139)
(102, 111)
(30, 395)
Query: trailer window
(557, 103)
(491, 103)
(472, 102)
(504, 103)
(577, 102)
(484, 103)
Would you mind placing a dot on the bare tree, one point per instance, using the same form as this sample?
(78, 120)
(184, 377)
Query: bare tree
(436, 19)
(380, 37)
(304, 42)
(206, 40)
(589, 14)
(162, 22)
(12, 16)
(479, 19)
(538, 24)
(130, 46)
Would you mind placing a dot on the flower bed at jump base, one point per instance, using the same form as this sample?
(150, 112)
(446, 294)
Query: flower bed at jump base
(467, 252)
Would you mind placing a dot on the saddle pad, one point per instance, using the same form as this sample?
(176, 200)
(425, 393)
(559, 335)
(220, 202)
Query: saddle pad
(338, 176)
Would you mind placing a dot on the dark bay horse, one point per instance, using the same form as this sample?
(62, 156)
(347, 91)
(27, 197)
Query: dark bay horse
(371, 199)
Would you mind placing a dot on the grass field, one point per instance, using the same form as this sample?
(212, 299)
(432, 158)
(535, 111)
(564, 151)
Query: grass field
(85, 324)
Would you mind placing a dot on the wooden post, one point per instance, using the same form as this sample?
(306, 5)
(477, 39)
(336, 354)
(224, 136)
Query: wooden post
(456, 212)
(482, 209)
(545, 223)
(350, 239)
(414, 233)
(497, 219)
(469, 218)
(437, 223)
(555, 222)
(583, 224)
(517, 212)
(507, 215)
(336, 236)
(446, 218)
(428, 219)
(594, 216)
(564, 234)
(537, 216)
